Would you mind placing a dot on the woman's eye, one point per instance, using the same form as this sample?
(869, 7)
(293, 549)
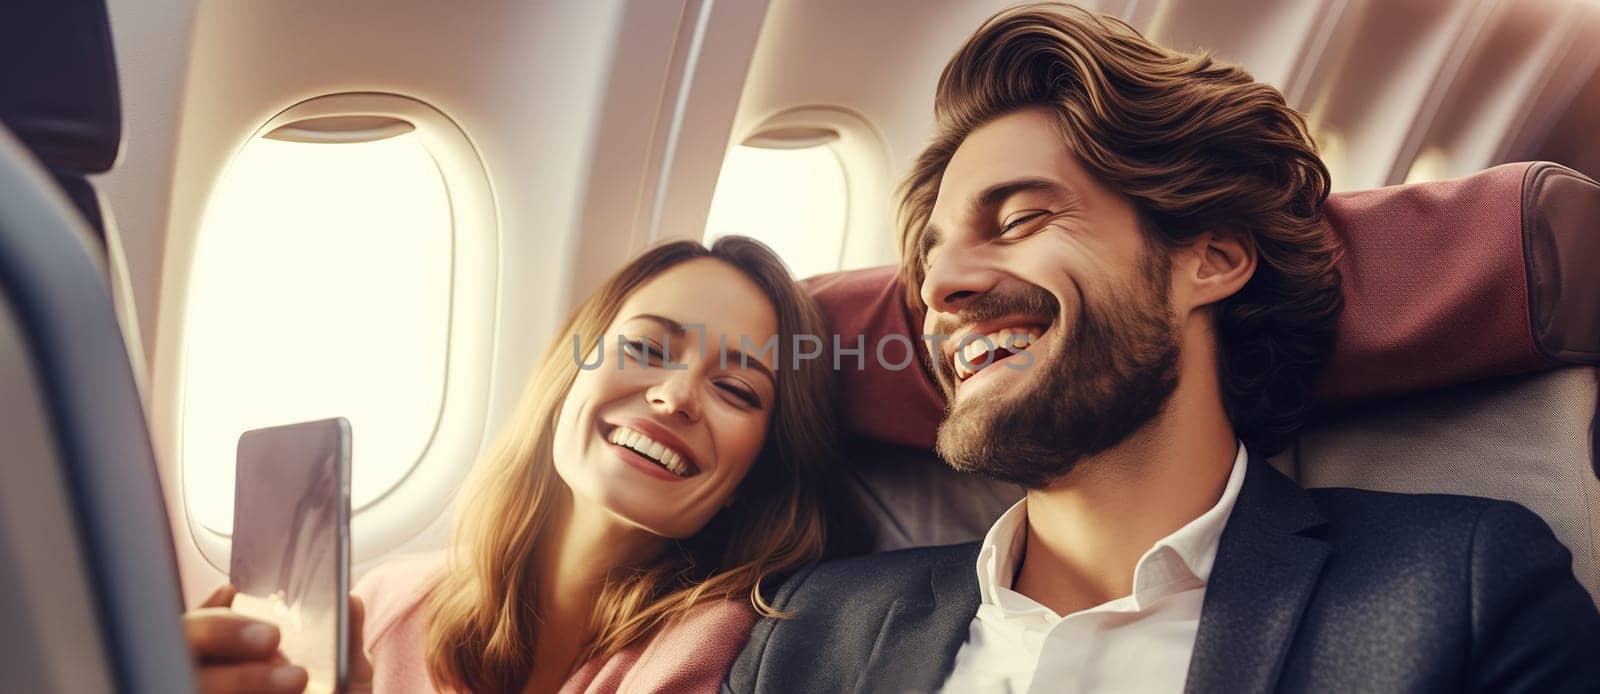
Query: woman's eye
(645, 352)
(743, 394)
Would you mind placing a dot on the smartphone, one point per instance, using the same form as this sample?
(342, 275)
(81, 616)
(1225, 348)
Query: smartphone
(291, 542)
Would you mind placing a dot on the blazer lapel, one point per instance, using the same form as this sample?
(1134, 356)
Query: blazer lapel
(917, 645)
(1264, 575)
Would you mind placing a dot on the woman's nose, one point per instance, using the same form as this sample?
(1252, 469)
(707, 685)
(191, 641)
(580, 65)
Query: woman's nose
(676, 395)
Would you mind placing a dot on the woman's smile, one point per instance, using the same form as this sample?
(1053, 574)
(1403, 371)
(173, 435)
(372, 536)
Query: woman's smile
(651, 448)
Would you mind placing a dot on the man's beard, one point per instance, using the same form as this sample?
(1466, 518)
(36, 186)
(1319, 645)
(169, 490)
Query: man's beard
(1112, 373)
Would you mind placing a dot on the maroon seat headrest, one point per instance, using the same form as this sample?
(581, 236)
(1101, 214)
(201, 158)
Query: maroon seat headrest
(1445, 282)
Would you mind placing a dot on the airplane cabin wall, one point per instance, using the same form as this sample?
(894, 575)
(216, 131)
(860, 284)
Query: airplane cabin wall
(1402, 91)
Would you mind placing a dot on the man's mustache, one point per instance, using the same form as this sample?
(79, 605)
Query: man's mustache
(1028, 301)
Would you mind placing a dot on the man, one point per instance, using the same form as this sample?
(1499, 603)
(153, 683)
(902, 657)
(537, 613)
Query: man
(1142, 229)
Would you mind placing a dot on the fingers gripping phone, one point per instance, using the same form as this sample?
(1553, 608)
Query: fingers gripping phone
(291, 542)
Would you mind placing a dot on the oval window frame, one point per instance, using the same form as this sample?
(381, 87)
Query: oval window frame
(424, 492)
(864, 158)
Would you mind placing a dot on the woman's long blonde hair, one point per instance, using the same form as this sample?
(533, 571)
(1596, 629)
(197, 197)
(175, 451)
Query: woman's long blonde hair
(482, 621)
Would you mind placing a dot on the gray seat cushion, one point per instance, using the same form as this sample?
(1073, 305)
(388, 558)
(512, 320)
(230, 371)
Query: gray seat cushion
(1527, 439)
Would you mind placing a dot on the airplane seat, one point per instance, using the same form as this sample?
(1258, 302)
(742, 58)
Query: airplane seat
(88, 579)
(89, 582)
(1465, 363)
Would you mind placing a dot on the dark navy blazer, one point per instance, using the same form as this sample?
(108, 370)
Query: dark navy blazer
(1323, 590)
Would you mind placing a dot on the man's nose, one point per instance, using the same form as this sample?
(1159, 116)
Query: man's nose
(955, 277)
(676, 395)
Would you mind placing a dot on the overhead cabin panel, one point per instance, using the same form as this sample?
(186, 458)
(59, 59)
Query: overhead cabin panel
(1277, 41)
(1387, 81)
(1491, 97)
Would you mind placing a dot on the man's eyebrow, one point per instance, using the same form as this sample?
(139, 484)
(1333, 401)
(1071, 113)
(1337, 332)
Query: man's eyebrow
(997, 193)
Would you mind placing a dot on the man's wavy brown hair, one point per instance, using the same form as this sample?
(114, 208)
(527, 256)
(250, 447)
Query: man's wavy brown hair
(1196, 146)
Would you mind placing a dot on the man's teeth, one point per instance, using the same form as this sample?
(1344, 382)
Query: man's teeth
(650, 448)
(977, 354)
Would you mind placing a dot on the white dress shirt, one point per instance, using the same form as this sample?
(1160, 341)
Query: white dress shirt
(1137, 643)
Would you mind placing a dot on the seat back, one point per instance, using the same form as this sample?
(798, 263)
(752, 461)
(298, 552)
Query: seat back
(1465, 363)
(50, 640)
(1481, 297)
(89, 585)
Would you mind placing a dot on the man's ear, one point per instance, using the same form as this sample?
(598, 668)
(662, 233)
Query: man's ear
(1221, 264)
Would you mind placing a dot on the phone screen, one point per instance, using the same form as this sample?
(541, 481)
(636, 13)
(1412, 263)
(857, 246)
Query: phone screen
(291, 541)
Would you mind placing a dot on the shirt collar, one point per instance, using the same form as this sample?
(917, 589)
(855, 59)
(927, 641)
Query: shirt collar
(1183, 557)
(997, 557)
(1196, 542)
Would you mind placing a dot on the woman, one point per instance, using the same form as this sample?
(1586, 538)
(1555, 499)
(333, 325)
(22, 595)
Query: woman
(662, 465)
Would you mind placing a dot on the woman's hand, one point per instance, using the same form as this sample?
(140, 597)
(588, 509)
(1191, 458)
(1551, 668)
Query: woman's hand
(234, 653)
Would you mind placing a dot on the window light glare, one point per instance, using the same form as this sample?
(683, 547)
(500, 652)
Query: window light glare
(794, 200)
(319, 288)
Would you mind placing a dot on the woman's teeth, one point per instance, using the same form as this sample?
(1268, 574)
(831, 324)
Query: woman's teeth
(652, 449)
(979, 353)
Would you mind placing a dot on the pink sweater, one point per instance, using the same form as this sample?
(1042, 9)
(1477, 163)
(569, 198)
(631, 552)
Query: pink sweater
(690, 655)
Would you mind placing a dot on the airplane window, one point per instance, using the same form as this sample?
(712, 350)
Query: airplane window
(320, 287)
(794, 200)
